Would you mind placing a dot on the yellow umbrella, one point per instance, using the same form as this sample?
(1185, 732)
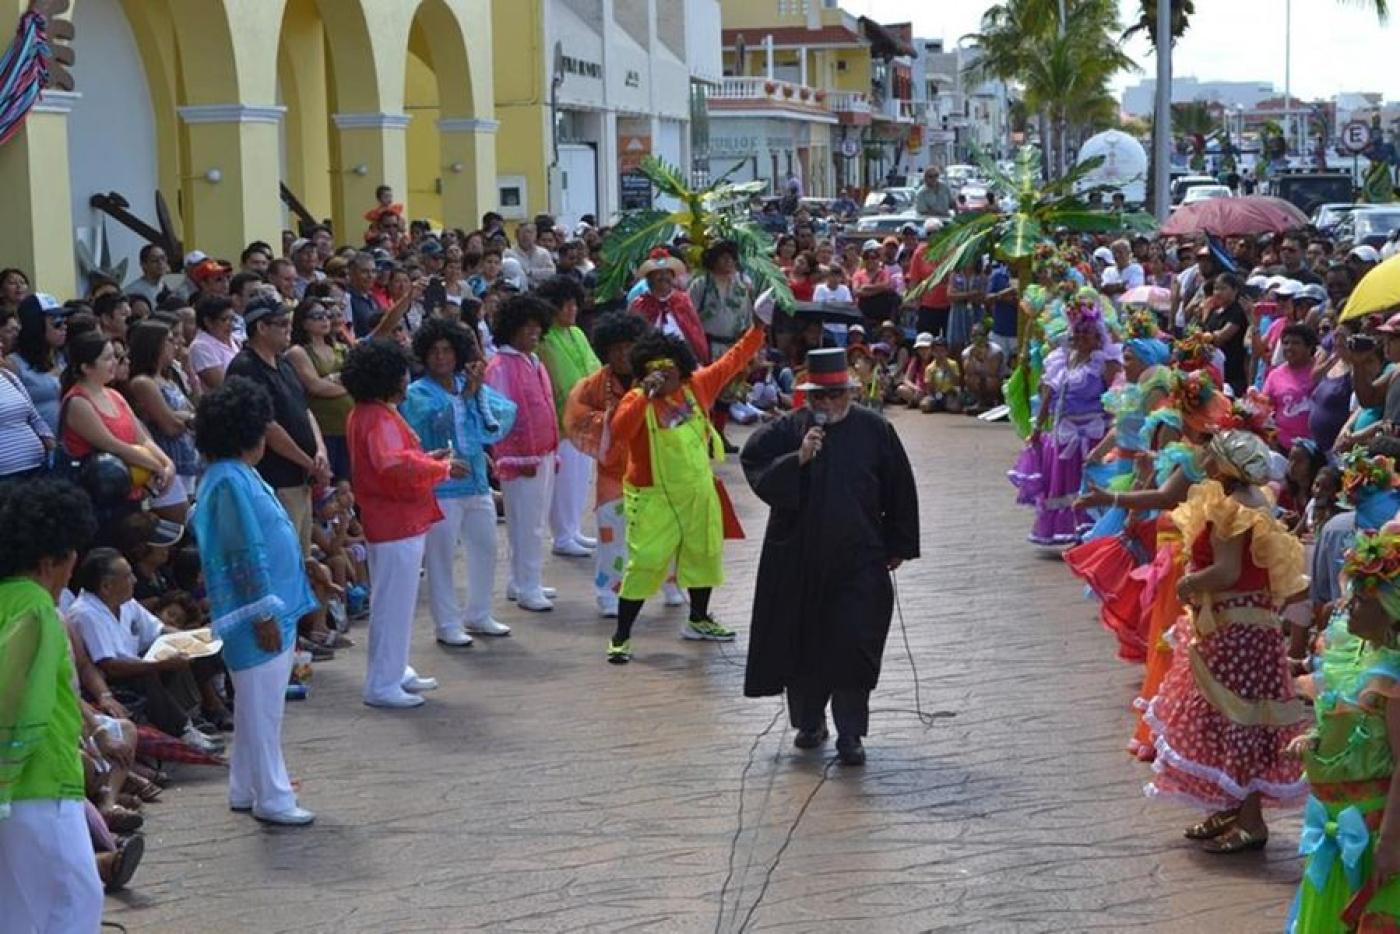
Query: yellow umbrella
(1378, 290)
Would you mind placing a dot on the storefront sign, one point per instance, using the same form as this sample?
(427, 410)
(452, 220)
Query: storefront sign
(631, 150)
(738, 147)
(581, 67)
(634, 192)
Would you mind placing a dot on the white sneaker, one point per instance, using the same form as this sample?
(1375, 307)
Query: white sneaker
(489, 626)
(512, 594)
(197, 740)
(607, 606)
(672, 594)
(292, 817)
(585, 541)
(453, 637)
(403, 699)
(536, 603)
(572, 549)
(417, 685)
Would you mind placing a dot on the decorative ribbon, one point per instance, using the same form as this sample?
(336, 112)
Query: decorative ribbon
(24, 71)
(1324, 841)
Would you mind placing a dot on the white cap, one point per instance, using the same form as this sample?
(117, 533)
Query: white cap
(1104, 255)
(1366, 253)
(195, 257)
(869, 245)
(925, 339)
(1288, 288)
(932, 225)
(1313, 292)
(1258, 282)
(856, 329)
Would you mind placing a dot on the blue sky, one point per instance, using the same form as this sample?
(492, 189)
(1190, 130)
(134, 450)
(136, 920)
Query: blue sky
(1337, 46)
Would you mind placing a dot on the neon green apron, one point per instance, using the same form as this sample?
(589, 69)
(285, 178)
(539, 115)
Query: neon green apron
(677, 517)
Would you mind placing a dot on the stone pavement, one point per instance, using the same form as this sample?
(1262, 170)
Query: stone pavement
(542, 789)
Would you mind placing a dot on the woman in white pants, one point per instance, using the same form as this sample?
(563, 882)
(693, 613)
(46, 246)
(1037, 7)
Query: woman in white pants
(393, 480)
(450, 407)
(48, 876)
(258, 590)
(525, 458)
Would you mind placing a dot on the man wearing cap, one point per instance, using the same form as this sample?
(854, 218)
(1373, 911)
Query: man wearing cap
(305, 261)
(875, 289)
(1362, 259)
(296, 453)
(844, 515)
(211, 277)
(934, 198)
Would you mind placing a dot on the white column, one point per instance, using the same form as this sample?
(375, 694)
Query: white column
(768, 53)
(802, 65)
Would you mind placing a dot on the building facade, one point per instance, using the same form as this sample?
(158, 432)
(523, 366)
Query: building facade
(589, 88)
(217, 103)
(962, 112)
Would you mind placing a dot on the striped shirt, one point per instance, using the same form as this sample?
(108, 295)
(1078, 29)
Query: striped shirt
(22, 429)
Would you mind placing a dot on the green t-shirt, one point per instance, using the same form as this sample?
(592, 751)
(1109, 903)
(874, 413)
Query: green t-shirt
(40, 720)
(567, 356)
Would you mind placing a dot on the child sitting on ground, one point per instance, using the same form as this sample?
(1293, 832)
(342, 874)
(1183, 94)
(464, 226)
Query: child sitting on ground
(942, 380)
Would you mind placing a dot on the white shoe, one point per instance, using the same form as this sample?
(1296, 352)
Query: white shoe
(607, 607)
(197, 740)
(453, 637)
(488, 627)
(417, 685)
(512, 594)
(572, 549)
(673, 595)
(292, 817)
(537, 603)
(585, 541)
(403, 699)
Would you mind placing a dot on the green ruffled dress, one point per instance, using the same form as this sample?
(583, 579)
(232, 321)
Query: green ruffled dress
(1350, 772)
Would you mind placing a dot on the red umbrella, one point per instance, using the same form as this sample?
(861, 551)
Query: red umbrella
(1234, 217)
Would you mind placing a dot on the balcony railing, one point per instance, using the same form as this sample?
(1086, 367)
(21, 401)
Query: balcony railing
(852, 102)
(770, 89)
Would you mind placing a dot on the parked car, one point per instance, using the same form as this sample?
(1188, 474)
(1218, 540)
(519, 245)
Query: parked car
(880, 226)
(956, 175)
(1206, 193)
(972, 198)
(1307, 190)
(888, 201)
(1328, 216)
(1186, 182)
(1368, 224)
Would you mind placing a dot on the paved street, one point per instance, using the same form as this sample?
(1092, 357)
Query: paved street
(544, 790)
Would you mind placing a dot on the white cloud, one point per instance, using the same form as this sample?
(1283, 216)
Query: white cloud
(1337, 46)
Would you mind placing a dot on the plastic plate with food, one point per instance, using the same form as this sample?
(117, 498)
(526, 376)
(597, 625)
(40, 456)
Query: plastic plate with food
(196, 643)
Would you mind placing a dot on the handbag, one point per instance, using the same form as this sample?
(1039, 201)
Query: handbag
(63, 465)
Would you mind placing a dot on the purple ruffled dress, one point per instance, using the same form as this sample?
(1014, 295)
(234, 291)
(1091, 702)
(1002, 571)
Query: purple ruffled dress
(1050, 471)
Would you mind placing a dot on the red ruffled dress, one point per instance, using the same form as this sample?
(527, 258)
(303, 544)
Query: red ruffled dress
(1227, 708)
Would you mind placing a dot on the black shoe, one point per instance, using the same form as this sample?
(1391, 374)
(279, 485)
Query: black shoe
(850, 751)
(810, 739)
(729, 446)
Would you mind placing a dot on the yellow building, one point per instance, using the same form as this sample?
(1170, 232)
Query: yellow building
(213, 103)
(586, 88)
(810, 91)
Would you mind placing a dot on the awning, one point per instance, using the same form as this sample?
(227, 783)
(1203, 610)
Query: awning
(883, 42)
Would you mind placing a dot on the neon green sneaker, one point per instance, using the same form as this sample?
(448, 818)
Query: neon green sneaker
(706, 630)
(619, 653)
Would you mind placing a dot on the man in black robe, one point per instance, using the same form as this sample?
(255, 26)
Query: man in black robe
(844, 515)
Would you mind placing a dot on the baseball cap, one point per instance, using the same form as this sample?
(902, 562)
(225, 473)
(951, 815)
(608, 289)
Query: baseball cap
(1288, 288)
(264, 306)
(1312, 292)
(1104, 255)
(42, 303)
(909, 228)
(870, 245)
(856, 329)
(195, 257)
(299, 244)
(1391, 326)
(431, 247)
(208, 269)
(1366, 253)
(1258, 282)
(932, 225)
(925, 339)
(166, 534)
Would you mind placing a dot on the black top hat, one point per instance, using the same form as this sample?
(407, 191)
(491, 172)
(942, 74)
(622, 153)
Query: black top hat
(826, 369)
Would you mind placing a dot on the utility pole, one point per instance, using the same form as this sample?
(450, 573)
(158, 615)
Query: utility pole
(1288, 74)
(1162, 138)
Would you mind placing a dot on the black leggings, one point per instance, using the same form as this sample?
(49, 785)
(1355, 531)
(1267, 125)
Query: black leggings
(628, 610)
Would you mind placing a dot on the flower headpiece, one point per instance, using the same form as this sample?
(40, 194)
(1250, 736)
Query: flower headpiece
(1372, 566)
(1140, 323)
(1084, 314)
(1193, 351)
(1364, 476)
(1254, 413)
(1200, 404)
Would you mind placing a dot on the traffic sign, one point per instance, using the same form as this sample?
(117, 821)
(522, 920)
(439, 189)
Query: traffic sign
(1356, 135)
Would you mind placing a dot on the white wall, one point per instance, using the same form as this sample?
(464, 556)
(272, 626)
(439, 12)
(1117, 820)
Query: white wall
(704, 49)
(112, 131)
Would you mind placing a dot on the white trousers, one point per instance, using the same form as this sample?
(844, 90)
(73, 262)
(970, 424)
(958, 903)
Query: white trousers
(393, 596)
(470, 520)
(48, 872)
(527, 501)
(257, 776)
(571, 486)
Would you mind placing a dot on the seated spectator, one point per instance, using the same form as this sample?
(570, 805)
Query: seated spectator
(943, 380)
(166, 411)
(145, 540)
(983, 364)
(117, 631)
(25, 438)
(913, 388)
(43, 333)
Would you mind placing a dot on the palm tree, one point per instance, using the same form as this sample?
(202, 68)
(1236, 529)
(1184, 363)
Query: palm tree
(706, 215)
(1030, 213)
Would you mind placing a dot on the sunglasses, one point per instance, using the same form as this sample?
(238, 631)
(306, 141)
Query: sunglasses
(58, 323)
(827, 394)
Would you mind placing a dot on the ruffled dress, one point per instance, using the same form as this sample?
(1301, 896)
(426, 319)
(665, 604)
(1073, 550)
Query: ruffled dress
(1227, 709)
(1049, 473)
(1350, 772)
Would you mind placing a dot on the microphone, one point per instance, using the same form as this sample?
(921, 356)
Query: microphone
(819, 419)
